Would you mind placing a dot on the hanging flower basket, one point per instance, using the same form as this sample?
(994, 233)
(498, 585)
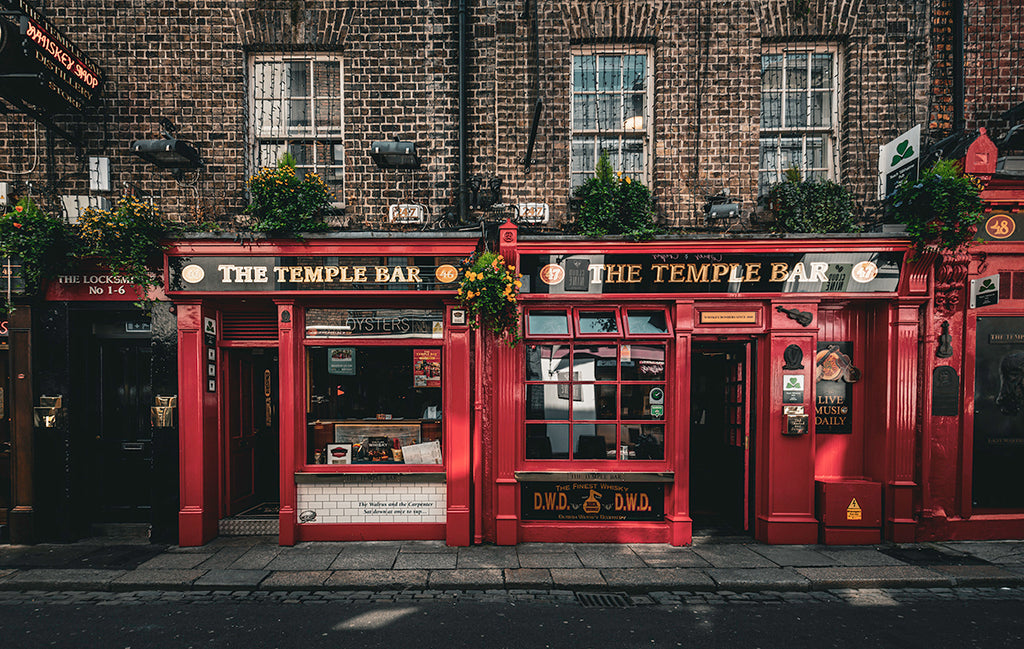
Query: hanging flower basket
(489, 291)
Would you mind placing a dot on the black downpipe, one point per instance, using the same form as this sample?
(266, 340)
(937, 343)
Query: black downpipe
(958, 66)
(463, 10)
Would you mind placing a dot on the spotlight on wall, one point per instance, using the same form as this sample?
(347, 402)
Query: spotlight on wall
(168, 153)
(395, 155)
(720, 206)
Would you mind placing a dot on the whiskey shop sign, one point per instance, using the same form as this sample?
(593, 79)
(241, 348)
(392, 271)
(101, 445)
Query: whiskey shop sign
(592, 501)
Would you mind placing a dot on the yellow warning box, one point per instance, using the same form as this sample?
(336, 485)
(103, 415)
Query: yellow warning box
(853, 512)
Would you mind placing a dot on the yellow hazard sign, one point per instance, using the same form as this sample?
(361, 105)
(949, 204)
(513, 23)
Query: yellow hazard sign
(853, 512)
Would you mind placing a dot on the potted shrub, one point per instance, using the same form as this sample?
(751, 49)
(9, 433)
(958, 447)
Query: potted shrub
(283, 203)
(42, 243)
(488, 291)
(612, 204)
(942, 209)
(127, 239)
(800, 205)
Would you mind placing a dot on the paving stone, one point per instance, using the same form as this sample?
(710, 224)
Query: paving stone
(157, 578)
(302, 560)
(231, 578)
(366, 558)
(641, 578)
(527, 577)
(859, 556)
(466, 578)
(488, 557)
(669, 557)
(58, 579)
(175, 561)
(792, 555)
(377, 579)
(608, 556)
(256, 558)
(427, 547)
(223, 557)
(741, 579)
(425, 561)
(872, 577)
(550, 560)
(982, 575)
(1002, 552)
(544, 548)
(732, 556)
(291, 579)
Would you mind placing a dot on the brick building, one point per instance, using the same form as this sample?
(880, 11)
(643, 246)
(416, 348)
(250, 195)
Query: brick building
(691, 98)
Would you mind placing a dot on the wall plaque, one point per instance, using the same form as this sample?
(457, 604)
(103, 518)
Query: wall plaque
(592, 501)
(945, 392)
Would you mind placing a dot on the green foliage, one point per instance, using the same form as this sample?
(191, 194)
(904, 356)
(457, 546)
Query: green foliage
(126, 239)
(282, 203)
(942, 209)
(488, 291)
(810, 206)
(42, 243)
(612, 204)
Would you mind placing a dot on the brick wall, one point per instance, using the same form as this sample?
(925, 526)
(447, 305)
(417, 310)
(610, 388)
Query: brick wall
(187, 62)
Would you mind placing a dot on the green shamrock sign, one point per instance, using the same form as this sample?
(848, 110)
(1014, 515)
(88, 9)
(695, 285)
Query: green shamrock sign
(903, 151)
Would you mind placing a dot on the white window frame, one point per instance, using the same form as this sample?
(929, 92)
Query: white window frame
(270, 138)
(645, 134)
(798, 134)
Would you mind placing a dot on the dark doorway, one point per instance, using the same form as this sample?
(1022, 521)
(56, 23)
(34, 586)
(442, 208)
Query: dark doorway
(6, 446)
(721, 438)
(251, 472)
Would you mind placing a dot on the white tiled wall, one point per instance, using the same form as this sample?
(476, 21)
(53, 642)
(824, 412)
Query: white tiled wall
(413, 502)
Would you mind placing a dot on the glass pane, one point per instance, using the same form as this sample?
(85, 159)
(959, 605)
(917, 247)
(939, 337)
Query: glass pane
(633, 158)
(550, 401)
(298, 114)
(547, 322)
(543, 362)
(611, 147)
(584, 73)
(643, 363)
(547, 441)
(647, 322)
(583, 155)
(815, 152)
(327, 78)
(584, 112)
(771, 72)
(634, 72)
(298, 79)
(578, 179)
(765, 180)
(821, 71)
(593, 441)
(796, 109)
(598, 322)
(609, 74)
(645, 441)
(267, 118)
(268, 154)
(637, 401)
(791, 153)
(594, 363)
(821, 108)
(796, 72)
(633, 112)
(609, 113)
(303, 154)
(771, 110)
(769, 158)
(328, 116)
(268, 80)
(593, 401)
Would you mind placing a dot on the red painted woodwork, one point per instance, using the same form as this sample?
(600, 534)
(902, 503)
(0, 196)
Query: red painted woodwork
(850, 511)
(458, 420)
(240, 430)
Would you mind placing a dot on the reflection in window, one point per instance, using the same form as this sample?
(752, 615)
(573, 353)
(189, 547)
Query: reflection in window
(601, 322)
(647, 322)
(552, 323)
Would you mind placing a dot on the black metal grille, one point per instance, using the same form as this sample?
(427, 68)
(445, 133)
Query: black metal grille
(604, 600)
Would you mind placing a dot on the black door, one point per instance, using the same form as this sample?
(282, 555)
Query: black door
(123, 434)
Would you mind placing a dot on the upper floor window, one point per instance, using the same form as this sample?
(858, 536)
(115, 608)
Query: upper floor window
(612, 93)
(295, 106)
(799, 113)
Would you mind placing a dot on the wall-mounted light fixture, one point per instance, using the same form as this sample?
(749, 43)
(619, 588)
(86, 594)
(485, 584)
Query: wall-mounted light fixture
(395, 155)
(720, 206)
(168, 153)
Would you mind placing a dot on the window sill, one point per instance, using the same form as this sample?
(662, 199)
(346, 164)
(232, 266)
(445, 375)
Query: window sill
(595, 476)
(335, 477)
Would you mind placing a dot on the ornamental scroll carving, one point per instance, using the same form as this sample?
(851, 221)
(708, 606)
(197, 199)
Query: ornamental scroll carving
(950, 279)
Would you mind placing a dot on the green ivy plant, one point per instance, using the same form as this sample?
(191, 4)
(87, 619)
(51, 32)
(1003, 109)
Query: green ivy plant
(612, 204)
(42, 243)
(127, 239)
(942, 209)
(489, 290)
(282, 203)
(810, 206)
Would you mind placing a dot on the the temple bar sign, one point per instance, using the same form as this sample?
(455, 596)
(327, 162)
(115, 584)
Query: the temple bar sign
(847, 272)
(42, 66)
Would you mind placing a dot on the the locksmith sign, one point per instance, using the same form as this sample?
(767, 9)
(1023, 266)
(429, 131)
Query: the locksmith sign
(41, 65)
(231, 274)
(592, 501)
(846, 272)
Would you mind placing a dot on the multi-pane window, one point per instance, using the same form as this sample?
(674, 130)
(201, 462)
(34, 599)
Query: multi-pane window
(611, 111)
(296, 107)
(799, 114)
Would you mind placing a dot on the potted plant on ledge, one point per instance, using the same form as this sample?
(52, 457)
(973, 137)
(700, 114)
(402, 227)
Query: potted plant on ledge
(611, 203)
(283, 203)
(942, 209)
(489, 291)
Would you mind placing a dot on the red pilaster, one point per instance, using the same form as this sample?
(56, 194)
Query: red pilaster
(458, 416)
(904, 331)
(785, 507)
(293, 416)
(678, 517)
(506, 413)
(197, 447)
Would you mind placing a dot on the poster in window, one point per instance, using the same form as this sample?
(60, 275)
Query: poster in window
(341, 361)
(834, 376)
(426, 368)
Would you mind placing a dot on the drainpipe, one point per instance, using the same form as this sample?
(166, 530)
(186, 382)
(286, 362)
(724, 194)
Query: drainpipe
(463, 10)
(958, 65)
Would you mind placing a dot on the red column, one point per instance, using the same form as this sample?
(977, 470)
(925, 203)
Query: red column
(293, 416)
(457, 413)
(904, 331)
(785, 464)
(678, 517)
(505, 417)
(197, 432)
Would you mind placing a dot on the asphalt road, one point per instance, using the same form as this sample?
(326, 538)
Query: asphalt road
(858, 620)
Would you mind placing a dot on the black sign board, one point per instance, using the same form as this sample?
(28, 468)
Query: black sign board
(782, 272)
(998, 481)
(834, 374)
(945, 392)
(592, 501)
